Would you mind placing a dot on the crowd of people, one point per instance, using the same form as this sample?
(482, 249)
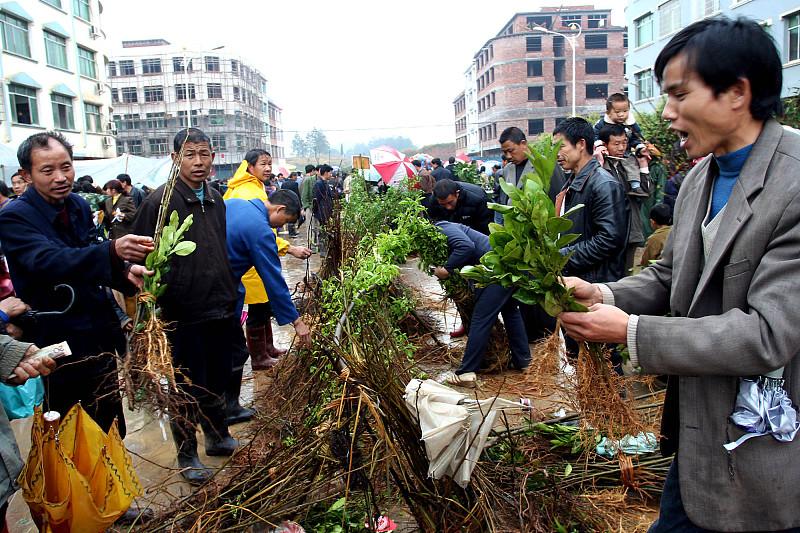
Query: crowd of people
(707, 308)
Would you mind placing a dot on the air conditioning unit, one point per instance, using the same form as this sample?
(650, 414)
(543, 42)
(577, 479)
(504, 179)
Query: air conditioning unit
(99, 88)
(94, 32)
(108, 142)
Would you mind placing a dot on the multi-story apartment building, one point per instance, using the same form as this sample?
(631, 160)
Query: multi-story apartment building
(523, 75)
(652, 23)
(52, 67)
(158, 88)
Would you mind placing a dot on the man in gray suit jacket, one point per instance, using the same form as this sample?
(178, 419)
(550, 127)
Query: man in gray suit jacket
(727, 278)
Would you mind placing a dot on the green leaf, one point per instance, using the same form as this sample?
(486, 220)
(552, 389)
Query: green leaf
(558, 225)
(550, 305)
(566, 239)
(173, 220)
(577, 307)
(573, 209)
(507, 188)
(184, 248)
(567, 470)
(338, 504)
(526, 296)
(151, 259)
(500, 208)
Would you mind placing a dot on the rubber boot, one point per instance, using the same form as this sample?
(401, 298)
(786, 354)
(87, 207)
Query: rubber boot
(235, 413)
(185, 439)
(257, 346)
(215, 430)
(460, 331)
(271, 349)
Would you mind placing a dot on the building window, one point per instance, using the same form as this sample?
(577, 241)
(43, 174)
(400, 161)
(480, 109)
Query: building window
(135, 147)
(566, 20)
(126, 68)
(155, 121)
(87, 66)
(54, 3)
(535, 126)
(597, 90)
(129, 95)
(669, 17)
(158, 146)
(131, 122)
(55, 50)
(559, 120)
(644, 84)
(184, 91)
(533, 43)
(539, 21)
(596, 21)
(92, 117)
(182, 119)
(596, 41)
(23, 104)
(15, 35)
(112, 69)
(115, 96)
(560, 94)
(151, 66)
(214, 90)
(643, 30)
(597, 65)
(216, 117)
(236, 93)
(237, 119)
(535, 94)
(63, 118)
(793, 37)
(81, 9)
(710, 7)
(178, 65)
(235, 67)
(240, 143)
(154, 94)
(219, 143)
(212, 64)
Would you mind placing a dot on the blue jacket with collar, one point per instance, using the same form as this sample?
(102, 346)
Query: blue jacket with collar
(466, 245)
(251, 243)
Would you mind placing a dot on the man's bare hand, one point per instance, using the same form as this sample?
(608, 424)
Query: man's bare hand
(136, 275)
(133, 248)
(603, 323)
(600, 153)
(441, 273)
(585, 292)
(13, 306)
(299, 252)
(32, 366)
(303, 333)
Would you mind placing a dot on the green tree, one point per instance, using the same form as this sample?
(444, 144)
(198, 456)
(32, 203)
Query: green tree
(299, 146)
(656, 130)
(317, 144)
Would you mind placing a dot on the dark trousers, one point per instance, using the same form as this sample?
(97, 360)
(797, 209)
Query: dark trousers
(672, 515)
(204, 353)
(89, 376)
(258, 314)
(489, 302)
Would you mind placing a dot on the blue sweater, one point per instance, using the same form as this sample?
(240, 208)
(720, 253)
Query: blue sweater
(465, 244)
(251, 243)
(730, 165)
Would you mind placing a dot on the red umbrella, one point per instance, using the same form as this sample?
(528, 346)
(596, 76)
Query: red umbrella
(391, 165)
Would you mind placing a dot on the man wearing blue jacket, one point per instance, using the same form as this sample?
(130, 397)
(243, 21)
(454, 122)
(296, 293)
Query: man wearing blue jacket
(251, 243)
(466, 247)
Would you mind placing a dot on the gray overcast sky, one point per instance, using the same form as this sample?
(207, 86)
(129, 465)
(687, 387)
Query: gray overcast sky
(366, 68)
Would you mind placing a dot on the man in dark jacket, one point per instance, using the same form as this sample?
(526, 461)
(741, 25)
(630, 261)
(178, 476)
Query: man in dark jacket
(460, 202)
(451, 165)
(440, 173)
(466, 246)
(200, 303)
(49, 239)
(290, 184)
(323, 207)
(599, 254)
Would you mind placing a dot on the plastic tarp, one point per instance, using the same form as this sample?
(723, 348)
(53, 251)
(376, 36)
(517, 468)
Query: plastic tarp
(455, 427)
(142, 170)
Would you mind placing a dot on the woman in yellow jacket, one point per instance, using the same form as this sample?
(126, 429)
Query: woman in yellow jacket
(248, 184)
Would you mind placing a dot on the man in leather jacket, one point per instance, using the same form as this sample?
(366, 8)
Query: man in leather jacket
(599, 254)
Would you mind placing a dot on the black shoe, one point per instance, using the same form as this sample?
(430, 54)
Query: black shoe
(221, 447)
(137, 515)
(638, 192)
(193, 470)
(236, 414)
